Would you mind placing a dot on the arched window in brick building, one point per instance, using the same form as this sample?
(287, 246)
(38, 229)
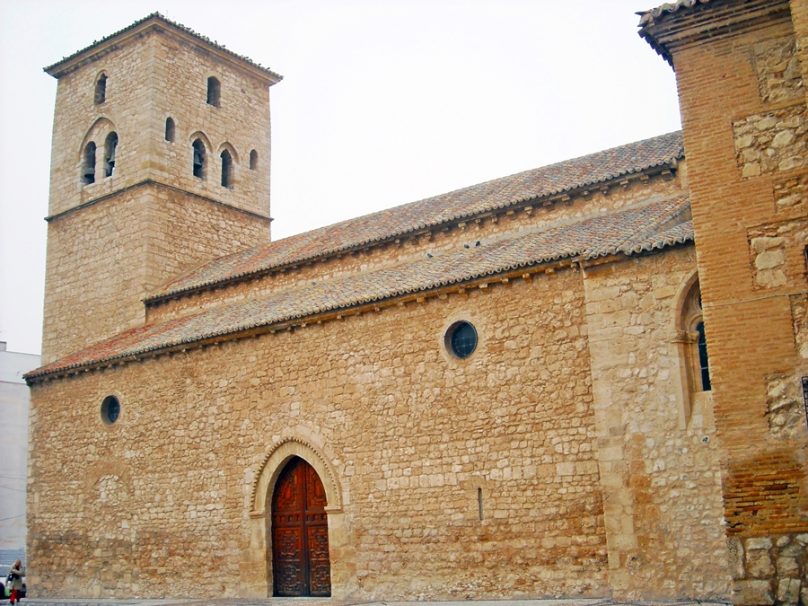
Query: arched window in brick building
(88, 164)
(101, 89)
(169, 129)
(227, 169)
(110, 147)
(214, 91)
(199, 159)
(253, 160)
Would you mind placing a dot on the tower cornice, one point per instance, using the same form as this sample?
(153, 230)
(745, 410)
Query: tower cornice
(676, 24)
(157, 23)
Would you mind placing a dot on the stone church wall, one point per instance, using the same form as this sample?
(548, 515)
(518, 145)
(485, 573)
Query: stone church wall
(659, 458)
(493, 476)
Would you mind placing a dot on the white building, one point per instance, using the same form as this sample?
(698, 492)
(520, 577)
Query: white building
(14, 403)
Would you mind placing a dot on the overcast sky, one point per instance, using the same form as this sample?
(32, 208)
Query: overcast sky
(383, 102)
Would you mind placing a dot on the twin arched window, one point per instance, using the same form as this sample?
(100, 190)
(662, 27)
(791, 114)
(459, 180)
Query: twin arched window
(200, 163)
(89, 158)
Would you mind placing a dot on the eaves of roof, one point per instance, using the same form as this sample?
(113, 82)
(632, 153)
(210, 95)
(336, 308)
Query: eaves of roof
(537, 186)
(685, 21)
(648, 227)
(155, 20)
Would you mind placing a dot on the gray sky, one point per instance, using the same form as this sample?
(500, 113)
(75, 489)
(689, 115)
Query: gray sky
(383, 102)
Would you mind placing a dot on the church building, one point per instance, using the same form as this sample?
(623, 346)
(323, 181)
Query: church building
(588, 379)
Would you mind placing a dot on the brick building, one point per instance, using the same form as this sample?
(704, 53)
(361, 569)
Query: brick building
(501, 391)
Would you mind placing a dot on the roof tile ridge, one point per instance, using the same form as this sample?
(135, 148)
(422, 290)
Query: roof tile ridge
(337, 250)
(681, 202)
(488, 267)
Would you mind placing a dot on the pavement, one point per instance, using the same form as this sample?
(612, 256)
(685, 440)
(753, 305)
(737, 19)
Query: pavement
(328, 602)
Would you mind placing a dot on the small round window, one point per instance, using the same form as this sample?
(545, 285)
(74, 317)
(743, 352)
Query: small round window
(110, 409)
(461, 339)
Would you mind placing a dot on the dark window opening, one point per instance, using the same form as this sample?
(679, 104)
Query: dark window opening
(805, 396)
(253, 160)
(214, 91)
(110, 410)
(227, 169)
(199, 159)
(110, 147)
(88, 167)
(704, 366)
(101, 89)
(461, 339)
(169, 129)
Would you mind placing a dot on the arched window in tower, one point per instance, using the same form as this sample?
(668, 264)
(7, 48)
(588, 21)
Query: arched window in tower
(214, 91)
(253, 160)
(88, 164)
(199, 159)
(227, 169)
(101, 89)
(169, 129)
(110, 147)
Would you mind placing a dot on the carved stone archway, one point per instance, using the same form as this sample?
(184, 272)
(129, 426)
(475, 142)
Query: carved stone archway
(256, 576)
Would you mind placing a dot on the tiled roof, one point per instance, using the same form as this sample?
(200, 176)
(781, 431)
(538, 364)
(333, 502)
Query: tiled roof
(654, 15)
(158, 17)
(654, 225)
(477, 200)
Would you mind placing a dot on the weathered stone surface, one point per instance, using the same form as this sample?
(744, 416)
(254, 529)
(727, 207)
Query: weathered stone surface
(769, 245)
(784, 407)
(799, 319)
(788, 567)
(788, 591)
(753, 592)
(736, 557)
(771, 142)
(758, 563)
(791, 193)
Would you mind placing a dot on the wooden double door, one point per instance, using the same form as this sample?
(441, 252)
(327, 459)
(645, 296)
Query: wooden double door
(300, 561)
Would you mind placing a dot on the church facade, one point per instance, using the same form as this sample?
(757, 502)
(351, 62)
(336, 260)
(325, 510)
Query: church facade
(587, 379)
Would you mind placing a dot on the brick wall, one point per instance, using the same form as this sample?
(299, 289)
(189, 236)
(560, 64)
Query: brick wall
(742, 99)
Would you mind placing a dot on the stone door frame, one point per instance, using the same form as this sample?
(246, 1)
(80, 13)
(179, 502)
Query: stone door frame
(256, 568)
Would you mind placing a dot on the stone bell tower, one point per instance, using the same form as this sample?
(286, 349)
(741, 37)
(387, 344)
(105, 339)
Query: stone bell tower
(160, 161)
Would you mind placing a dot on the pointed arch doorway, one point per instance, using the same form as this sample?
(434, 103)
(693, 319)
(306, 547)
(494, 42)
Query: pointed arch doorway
(300, 560)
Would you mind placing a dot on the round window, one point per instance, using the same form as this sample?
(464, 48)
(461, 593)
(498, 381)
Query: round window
(110, 409)
(461, 339)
